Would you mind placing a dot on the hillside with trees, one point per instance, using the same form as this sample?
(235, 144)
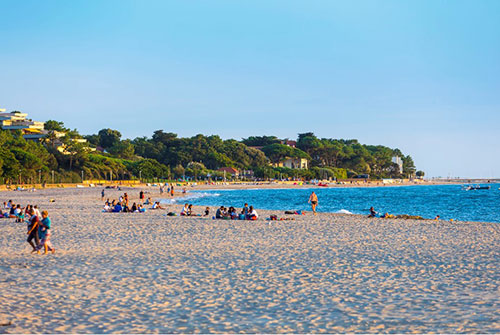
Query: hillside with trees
(64, 155)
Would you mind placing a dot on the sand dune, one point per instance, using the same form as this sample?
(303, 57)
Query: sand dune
(137, 273)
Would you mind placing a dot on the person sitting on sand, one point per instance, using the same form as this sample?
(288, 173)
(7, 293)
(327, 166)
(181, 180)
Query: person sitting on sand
(27, 211)
(37, 211)
(44, 233)
(245, 209)
(141, 209)
(117, 209)
(190, 210)
(252, 214)
(207, 211)
(134, 208)
(372, 213)
(19, 214)
(106, 208)
(219, 212)
(157, 205)
(313, 200)
(12, 212)
(185, 210)
(148, 201)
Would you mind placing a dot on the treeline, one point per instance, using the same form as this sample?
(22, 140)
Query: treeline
(106, 155)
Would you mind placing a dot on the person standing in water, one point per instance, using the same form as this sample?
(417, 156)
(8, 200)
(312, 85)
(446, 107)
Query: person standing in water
(313, 200)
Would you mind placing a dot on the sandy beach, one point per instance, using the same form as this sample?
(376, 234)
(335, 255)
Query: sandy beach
(330, 273)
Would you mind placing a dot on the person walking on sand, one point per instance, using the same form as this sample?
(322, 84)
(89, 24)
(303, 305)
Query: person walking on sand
(33, 230)
(172, 191)
(141, 196)
(102, 195)
(313, 200)
(44, 234)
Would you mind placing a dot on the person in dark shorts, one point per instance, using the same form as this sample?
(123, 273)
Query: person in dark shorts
(313, 200)
(33, 230)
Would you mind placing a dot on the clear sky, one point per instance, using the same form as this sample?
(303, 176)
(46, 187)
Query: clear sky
(421, 76)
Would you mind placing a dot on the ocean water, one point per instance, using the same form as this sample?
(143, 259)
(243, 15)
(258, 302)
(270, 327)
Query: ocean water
(448, 201)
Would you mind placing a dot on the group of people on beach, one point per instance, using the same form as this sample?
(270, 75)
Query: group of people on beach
(123, 204)
(170, 189)
(38, 224)
(246, 213)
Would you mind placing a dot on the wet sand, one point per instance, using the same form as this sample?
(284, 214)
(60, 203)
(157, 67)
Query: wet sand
(149, 273)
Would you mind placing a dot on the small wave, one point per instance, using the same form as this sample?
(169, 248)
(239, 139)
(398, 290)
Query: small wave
(343, 211)
(189, 196)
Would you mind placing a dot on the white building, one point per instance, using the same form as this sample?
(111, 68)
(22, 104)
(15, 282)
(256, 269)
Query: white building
(32, 130)
(293, 163)
(397, 160)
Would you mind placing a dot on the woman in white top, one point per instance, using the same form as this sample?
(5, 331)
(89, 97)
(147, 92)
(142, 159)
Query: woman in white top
(252, 214)
(185, 210)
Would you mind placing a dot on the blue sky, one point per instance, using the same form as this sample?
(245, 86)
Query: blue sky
(421, 76)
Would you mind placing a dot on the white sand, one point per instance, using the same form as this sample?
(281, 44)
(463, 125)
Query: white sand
(136, 273)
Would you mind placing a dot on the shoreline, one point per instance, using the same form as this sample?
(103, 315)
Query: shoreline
(153, 192)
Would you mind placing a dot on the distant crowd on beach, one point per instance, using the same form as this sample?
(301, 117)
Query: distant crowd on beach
(231, 213)
(122, 204)
(246, 213)
(38, 224)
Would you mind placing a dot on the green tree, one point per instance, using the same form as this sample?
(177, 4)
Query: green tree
(408, 166)
(55, 126)
(260, 141)
(122, 149)
(108, 137)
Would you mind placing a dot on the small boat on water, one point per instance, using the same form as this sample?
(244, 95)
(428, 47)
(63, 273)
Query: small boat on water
(475, 187)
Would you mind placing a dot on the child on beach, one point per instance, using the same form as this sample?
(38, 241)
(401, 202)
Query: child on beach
(44, 234)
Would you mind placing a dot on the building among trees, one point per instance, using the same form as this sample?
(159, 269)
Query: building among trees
(32, 130)
(397, 160)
